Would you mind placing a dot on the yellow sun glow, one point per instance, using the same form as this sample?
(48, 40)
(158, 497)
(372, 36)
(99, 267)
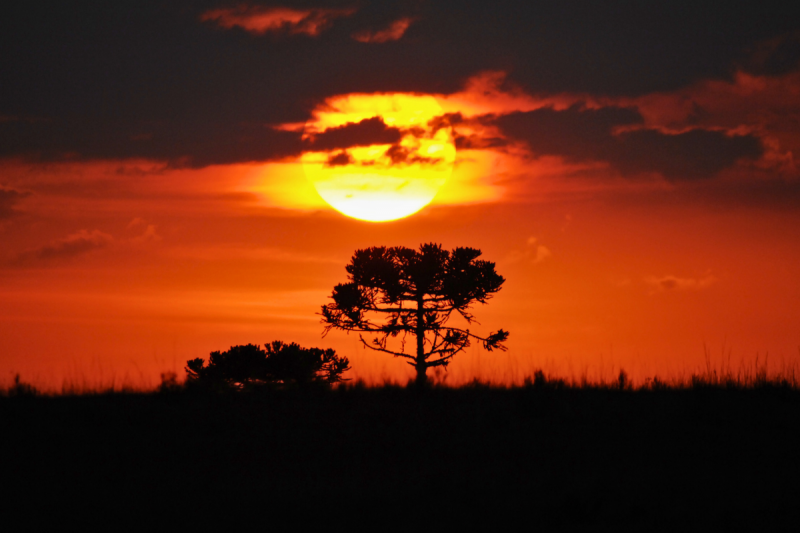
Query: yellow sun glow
(381, 182)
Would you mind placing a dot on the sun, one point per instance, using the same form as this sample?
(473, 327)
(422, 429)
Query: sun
(378, 157)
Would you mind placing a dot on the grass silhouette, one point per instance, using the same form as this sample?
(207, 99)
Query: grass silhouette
(708, 451)
(747, 374)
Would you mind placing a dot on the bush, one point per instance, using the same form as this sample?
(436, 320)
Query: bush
(278, 363)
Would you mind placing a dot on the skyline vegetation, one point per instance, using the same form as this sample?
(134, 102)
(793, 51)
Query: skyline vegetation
(756, 376)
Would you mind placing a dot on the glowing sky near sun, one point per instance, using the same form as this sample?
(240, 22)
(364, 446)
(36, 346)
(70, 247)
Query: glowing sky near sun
(179, 180)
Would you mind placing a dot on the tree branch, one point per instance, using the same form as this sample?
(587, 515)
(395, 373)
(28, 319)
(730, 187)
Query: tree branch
(382, 349)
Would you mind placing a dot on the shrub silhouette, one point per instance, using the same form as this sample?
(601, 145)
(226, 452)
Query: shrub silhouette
(277, 363)
(400, 291)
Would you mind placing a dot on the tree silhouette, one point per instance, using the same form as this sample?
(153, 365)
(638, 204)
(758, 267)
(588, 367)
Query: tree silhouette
(278, 362)
(398, 291)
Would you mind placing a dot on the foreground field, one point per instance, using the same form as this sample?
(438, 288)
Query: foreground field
(560, 458)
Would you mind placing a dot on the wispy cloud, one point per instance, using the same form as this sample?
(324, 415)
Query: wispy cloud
(84, 241)
(260, 20)
(533, 253)
(148, 235)
(675, 283)
(78, 243)
(8, 198)
(393, 32)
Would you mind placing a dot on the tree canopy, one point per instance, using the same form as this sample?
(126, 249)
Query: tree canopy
(277, 362)
(393, 292)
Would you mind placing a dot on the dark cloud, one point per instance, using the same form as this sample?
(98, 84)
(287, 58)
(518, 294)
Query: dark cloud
(145, 58)
(400, 155)
(339, 160)
(611, 48)
(194, 143)
(774, 57)
(579, 134)
(191, 144)
(469, 141)
(576, 133)
(365, 133)
(478, 142)
(139, 78)
(9, 198)
(695, 154)
(76, 244)
(445, 121)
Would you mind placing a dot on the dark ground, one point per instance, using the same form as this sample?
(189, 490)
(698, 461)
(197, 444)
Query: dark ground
(543, 459)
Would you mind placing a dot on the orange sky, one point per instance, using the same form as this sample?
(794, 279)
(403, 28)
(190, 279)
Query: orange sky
(617, 252)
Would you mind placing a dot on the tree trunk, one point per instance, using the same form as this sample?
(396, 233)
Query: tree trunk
(419, 364)
(422, 376)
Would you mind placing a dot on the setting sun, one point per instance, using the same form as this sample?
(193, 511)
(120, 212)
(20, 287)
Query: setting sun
(385, 177)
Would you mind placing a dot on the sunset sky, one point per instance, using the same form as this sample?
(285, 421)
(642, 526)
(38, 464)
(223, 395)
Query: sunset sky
(166, 168)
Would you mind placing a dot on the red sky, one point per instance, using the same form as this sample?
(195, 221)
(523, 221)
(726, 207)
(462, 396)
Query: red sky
(642, 211)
